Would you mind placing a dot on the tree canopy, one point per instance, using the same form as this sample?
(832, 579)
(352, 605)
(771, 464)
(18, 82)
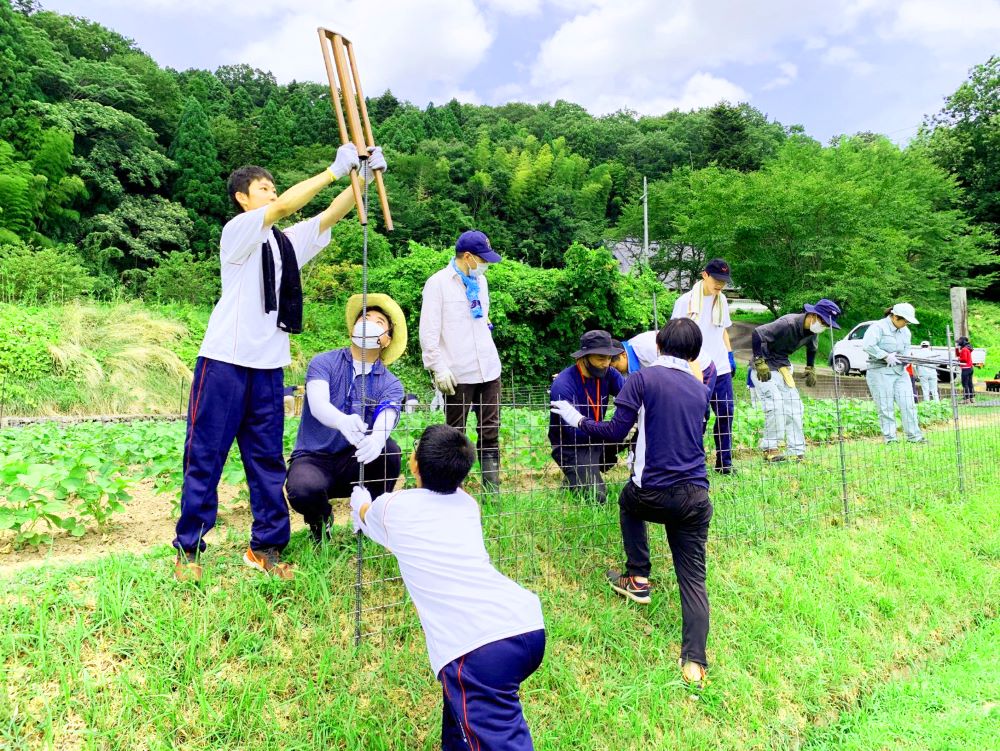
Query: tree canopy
(110, 157)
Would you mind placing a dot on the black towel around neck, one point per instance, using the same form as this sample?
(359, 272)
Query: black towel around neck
(289, 302)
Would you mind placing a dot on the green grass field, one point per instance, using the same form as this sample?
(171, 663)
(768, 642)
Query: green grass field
(877, 634)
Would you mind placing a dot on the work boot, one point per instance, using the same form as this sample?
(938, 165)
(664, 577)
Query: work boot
(774, 455)
(269, 561)
(187, 568)
(490, 470)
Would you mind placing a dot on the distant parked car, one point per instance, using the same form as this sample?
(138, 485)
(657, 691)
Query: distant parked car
(848, 356)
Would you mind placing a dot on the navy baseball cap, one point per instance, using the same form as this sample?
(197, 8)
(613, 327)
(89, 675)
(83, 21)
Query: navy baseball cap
(827, 310)
(478, 244)
(718, 269)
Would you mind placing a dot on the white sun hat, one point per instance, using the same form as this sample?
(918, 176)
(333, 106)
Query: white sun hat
(905, 310)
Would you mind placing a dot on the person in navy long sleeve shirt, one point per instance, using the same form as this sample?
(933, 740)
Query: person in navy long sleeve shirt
(669, 483)
(586, 384)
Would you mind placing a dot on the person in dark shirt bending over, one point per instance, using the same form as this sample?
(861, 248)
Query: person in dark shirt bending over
(773, 343)
(669, 483)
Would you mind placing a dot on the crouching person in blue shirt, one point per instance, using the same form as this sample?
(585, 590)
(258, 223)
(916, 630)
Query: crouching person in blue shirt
(669, 484)
(586, 385)
(338, 433)
(485, 633)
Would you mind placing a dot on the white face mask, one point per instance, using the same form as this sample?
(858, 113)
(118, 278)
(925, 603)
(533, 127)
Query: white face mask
(366, 334)
(817, 328)
(478, 270)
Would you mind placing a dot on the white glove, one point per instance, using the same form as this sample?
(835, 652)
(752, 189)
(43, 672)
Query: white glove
(371, 447)
(375, 161)
(569, 414)
(445, 381)
(347, 159)
(891, 360)
(359, 497)
(351, 426)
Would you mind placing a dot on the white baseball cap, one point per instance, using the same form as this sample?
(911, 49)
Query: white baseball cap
(905, 310)
(925, 344)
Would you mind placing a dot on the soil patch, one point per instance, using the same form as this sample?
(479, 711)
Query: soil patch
(147, 521)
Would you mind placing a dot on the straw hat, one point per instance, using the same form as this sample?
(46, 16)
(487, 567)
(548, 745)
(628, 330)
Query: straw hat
(397, 320)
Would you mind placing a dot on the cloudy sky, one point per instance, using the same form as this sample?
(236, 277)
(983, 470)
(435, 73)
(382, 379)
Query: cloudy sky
(834, 66)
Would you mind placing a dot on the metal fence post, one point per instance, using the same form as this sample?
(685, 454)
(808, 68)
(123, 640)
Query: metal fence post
(840, 440)
(954, 412)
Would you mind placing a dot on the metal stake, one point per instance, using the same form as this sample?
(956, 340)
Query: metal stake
(840, 440)
(954, 411)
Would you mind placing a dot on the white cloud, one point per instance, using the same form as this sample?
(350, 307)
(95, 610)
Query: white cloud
(700, 90)
(849, 58)
(509, 92)
(515, 7)
(421, 51)
(945, 26)
(194, 8)
(788, 72)
(630, 54)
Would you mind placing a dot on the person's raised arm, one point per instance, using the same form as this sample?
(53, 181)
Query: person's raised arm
(339, 208)
(302, 193)
(344, 202)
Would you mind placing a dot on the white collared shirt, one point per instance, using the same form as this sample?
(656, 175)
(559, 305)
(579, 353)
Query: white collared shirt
(450, 337)
(239, 331)
(462, 600)
(713, 343)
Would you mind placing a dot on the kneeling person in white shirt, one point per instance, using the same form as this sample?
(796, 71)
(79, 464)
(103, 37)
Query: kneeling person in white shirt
(485, 633)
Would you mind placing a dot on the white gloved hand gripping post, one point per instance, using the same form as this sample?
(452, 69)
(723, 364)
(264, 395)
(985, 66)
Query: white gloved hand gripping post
(360, 498)
(371, 446)
(346, 160)
(351, 426)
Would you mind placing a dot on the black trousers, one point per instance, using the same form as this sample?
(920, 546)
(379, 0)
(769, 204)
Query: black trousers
(686, 511)
(313, 479)
(484, 400)
(583, 465)
(968, 392)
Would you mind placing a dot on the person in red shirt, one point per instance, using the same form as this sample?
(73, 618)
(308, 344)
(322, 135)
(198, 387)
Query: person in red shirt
(913, 381)
(964, 353)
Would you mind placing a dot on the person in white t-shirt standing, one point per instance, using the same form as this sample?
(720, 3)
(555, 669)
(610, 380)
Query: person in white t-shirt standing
(237, 389)
(485, 633)
(456, 338)
(707, 306)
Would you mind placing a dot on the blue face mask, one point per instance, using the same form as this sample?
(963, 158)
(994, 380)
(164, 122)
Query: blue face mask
(478, 270)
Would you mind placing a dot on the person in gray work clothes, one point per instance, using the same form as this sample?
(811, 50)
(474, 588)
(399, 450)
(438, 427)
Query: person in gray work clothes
(773, 343)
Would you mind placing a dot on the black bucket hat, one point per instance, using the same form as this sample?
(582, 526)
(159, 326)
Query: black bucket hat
(597, 342)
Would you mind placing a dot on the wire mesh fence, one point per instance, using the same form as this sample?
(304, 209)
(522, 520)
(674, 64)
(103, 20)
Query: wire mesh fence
(824, 457)
(545, 525)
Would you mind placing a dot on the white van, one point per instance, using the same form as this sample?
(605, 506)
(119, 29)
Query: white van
(849, 357)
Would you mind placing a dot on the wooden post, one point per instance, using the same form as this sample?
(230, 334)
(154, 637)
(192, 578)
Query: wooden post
(959, 312)
(338, 109)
